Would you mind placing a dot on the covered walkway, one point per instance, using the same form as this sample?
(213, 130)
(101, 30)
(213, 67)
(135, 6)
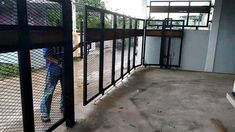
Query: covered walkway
(155, 100)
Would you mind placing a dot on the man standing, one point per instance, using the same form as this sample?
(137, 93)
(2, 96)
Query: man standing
(54, 73)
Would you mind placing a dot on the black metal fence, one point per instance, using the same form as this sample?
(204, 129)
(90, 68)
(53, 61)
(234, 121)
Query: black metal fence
(29, 31)
(112, 48)
(164, 40)
(33, 30)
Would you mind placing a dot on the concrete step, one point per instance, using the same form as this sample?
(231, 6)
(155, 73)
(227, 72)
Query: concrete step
(231, 99)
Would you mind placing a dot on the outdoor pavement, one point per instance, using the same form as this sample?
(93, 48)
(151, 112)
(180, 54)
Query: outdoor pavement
(149, 100)
(155, 100)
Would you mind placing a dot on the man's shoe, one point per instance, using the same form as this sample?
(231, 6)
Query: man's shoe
(45, 119)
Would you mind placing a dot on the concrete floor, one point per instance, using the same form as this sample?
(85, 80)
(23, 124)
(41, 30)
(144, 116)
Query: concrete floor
(154, 100)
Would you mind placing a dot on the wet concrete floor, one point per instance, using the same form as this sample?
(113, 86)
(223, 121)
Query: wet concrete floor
(154, 100)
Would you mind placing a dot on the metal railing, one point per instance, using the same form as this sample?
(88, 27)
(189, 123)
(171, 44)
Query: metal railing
(112, 48)
(27, 29)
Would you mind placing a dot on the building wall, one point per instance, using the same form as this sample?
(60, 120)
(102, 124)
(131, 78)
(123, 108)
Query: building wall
(194, 50)
(225, 50)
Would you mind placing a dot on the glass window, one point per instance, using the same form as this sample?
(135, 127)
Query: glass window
(179, 4)
(158, 16)
(197, 19)
(179, 16)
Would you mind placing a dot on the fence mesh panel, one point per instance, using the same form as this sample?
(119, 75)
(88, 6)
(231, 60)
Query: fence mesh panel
(175, 51)
(132, 52)
(93, 62)
(126, 49)
(118, 58)
(93, 19)
(8, 12)
(47, 82)
(138, 51)
(10, 95)
(119, 22)
(107, 78)
(108, 21)
(44, 13)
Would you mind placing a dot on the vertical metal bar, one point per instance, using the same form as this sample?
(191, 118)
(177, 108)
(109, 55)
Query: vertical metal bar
(168, 51)
(188, 13)
(114, 50)
(25, 68)
(181, 45)
(101, 66)
(81, 40)
(168, 14)
(129, 47)
(135, 43)
(85, 59)
(68, 64)
(123, 44)
(162, 44)
(169, 44)
(150, 9)
(144, 43)
(208, 17)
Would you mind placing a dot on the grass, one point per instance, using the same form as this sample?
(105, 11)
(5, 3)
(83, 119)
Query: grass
(11, 70)
(77, 58)
(7, 70)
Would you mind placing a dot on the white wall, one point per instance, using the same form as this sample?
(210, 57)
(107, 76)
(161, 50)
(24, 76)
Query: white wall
(209, 66)
(194, 50)
(225, 50)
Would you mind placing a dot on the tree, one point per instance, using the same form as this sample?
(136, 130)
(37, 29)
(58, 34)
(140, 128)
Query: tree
(94, 18)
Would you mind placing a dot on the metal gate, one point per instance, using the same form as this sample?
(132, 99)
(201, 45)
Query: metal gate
(27, 27)
(112, 49)
(164, 39)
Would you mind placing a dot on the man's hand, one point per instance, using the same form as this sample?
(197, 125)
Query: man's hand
(75, 47)
(61, 66)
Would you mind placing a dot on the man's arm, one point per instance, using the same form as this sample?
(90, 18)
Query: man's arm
(53, 60)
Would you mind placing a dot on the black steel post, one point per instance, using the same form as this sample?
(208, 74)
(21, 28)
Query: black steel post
(81, 40)
(163, 38)
(135, 43)
(68, 64)
(114, 50)
(144, 43)
(123, 46)
(101, 66)
(85, 60)
(25, 67)
(129, 48)
(168, 52)
(181, 45)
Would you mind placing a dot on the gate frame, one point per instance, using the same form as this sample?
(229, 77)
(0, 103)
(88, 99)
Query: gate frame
(23, 46)
(162, 33)
(125, 33)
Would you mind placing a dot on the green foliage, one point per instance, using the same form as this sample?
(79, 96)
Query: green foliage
(7, 70)
(94, 20)
(53, 17)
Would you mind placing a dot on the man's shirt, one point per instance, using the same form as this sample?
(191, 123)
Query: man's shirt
(56, 53)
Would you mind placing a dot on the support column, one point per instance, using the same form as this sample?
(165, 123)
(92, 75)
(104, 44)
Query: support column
(210, 59)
